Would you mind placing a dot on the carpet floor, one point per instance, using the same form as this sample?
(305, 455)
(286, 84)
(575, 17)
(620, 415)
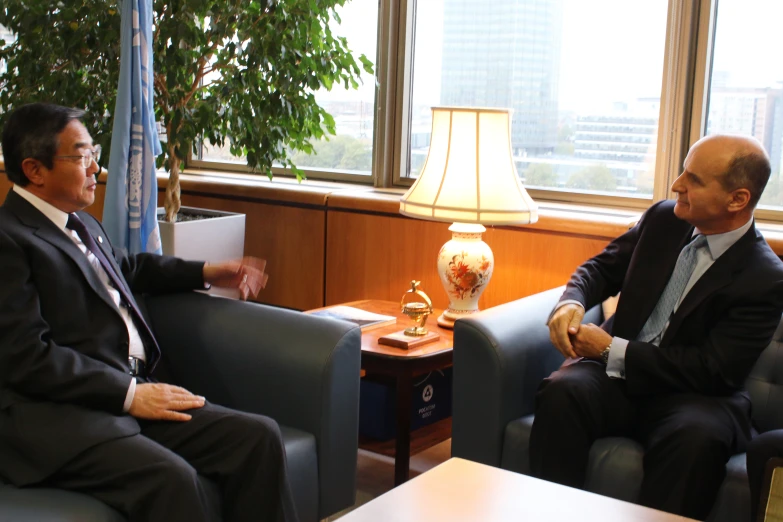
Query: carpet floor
(375, 472)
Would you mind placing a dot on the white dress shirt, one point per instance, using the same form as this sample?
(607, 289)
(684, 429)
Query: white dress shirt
(60, 219)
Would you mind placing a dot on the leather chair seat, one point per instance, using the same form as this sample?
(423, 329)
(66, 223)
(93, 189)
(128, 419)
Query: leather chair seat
(57, 505)
(53, 505)
(614, 465)
(299, 369)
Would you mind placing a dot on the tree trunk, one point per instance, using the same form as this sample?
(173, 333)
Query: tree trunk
(172, 202)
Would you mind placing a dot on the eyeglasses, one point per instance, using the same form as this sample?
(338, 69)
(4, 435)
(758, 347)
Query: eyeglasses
(87, 158)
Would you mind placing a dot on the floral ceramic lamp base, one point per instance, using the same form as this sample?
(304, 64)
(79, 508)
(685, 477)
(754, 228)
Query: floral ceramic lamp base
(465, 265)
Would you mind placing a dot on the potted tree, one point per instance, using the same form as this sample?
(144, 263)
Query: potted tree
(235, 73)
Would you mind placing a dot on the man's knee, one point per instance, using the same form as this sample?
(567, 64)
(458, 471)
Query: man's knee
(257, 431)
(177, 474)
(170, 488)
(575, 384)
(695, 445)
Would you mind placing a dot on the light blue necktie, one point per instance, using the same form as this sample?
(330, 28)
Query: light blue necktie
(673, 291)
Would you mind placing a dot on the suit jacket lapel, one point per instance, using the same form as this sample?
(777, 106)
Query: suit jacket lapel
(719, 275)
(46, 230)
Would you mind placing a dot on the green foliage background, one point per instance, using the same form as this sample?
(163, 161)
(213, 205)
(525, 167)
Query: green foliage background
(596, 177)
(342, 152)
(540, 175)
(236, 71)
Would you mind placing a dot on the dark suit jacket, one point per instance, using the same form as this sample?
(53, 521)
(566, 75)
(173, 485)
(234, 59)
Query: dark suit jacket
(722, 325)
(63, 344)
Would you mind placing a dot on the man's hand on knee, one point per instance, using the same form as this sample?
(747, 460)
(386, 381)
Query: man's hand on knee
(161, 401)
(565, 323)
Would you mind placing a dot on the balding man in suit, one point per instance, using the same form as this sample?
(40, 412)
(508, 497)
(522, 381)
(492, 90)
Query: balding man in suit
(701, 295)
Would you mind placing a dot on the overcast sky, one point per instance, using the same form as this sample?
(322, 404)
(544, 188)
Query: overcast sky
(612, 50)
(749, 40)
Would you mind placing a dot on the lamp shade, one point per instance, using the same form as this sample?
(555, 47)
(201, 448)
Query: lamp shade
(469, 175)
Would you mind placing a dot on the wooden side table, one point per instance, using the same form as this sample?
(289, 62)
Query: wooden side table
(402, 366)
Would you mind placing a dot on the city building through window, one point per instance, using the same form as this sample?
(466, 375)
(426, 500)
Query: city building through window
(607, 95)
(582, 77)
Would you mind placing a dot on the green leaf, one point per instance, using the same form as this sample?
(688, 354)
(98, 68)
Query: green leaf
(269, 56)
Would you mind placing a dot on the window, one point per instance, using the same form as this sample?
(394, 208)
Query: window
(582, 76)
(746, 81)
(607, 94)
(8, 37)
(349, 153)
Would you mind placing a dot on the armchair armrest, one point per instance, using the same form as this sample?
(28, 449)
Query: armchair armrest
(500, 357)
(301, 370)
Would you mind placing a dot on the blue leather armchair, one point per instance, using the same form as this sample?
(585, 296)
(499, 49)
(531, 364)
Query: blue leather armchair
(500, 357)
(301, 370)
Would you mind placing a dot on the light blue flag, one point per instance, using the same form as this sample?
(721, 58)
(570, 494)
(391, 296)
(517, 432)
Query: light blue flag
(130, 208)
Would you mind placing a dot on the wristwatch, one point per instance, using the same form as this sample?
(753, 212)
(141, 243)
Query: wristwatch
(605, 354)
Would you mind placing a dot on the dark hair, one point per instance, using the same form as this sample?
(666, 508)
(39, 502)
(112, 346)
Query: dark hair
(31, 131)
(748, 170)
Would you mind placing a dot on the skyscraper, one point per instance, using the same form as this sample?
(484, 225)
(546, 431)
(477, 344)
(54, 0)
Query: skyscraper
(506, 53)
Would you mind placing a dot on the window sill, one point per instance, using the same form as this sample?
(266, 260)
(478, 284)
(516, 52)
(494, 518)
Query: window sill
(553, 217)
(558, 218)
(251, 187)
(773, 233)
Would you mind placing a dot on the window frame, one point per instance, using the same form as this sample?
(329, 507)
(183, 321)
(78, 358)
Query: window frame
(685, 81)
(195, 162)
(679, 60)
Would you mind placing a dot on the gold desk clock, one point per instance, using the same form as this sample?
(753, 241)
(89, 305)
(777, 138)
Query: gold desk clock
(416, 310)
(418, 306)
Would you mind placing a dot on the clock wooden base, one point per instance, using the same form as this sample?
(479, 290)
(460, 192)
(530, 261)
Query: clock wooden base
(406, 342)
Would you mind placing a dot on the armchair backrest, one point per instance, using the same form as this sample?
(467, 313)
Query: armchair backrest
(765, 385)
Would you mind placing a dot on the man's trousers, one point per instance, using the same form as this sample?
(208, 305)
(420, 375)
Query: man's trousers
(152, 476)
(687, 438)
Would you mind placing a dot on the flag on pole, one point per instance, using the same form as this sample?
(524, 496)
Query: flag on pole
(130, 207)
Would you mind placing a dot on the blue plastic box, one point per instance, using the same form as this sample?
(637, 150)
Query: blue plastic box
(431, 403)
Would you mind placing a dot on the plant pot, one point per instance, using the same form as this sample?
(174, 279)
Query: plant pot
(219, 237)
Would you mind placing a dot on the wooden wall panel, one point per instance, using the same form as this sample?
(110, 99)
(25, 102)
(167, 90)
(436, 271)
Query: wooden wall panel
(528, 261)
(291, 239)
(96, 209)
(359, 250)
(5, 186)
(375, 257)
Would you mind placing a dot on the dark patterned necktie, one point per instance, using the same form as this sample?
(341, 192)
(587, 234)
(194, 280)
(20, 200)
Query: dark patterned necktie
(78, 226)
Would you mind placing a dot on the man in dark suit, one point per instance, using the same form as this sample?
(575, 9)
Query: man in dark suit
(701, 294)
(79, 409)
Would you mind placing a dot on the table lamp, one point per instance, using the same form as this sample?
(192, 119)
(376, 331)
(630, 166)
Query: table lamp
(469, 179)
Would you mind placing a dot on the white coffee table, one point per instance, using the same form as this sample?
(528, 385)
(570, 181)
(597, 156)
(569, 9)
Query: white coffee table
(460, 490)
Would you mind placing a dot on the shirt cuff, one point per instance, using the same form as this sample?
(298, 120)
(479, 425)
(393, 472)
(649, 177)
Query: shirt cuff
(129, 396)
(560, 305)
(615, 366)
